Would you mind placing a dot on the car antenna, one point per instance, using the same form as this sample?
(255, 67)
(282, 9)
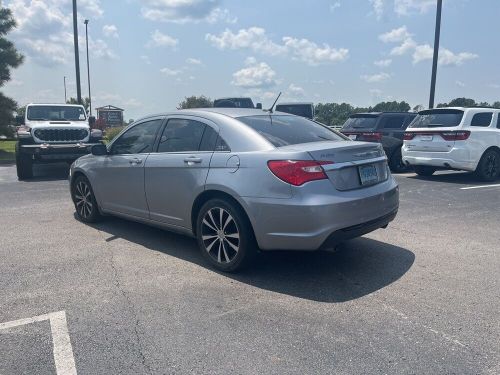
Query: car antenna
(270, 110)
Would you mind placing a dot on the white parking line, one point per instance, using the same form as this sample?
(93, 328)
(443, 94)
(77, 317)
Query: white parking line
(480, 187)
(63, 352)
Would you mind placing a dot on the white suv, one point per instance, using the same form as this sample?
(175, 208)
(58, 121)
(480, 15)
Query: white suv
(454, 138)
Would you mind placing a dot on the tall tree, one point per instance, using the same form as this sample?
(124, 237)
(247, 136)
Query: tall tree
(10, 58)
(195, 102)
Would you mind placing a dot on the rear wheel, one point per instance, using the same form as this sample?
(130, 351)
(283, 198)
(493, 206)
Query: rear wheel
(84, 200)
(423, 170)
(24, 164)
(225, 236)
(396, 162)
(488, 168)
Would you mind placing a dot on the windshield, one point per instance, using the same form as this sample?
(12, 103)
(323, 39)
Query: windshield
(289, 130)
(304, 110)
(437, 118)
(360, 122)
(56, 113)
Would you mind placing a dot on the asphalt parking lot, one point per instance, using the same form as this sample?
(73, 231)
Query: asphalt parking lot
(421, 297)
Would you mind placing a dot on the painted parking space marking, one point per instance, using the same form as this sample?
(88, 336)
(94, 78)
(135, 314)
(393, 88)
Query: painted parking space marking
(63, 352)
(480, 187)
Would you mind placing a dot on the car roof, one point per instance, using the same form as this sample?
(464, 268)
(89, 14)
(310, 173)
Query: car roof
(58, 104)
(295, 103)
(384, 113)
(234, 97)
(213, 112)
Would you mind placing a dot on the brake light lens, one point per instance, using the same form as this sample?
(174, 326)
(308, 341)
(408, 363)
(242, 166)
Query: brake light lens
(409, 136)
(456, 135)
(371, 136)
(298, 172)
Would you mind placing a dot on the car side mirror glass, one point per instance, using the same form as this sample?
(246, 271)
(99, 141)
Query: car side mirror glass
(20, 120)
(99, 150)
(258, 106)
(92, 120)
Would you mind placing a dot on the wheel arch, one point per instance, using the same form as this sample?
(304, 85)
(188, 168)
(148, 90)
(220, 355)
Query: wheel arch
(206, 195)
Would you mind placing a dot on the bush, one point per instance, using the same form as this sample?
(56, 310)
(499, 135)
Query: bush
(112, 133)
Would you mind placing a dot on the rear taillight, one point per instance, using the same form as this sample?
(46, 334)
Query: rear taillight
(298, 172)
(370, 137)
(455, 135)
(409, 136)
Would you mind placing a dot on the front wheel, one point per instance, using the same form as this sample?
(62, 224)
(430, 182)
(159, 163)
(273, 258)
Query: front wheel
(84, 200)
(423, 170)
(225, 235)
(488, 168)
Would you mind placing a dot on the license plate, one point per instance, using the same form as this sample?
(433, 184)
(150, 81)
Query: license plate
(353, 136)
(368, 174)
(426, 137)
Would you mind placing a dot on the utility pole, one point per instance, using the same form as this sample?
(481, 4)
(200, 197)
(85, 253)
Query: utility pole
(77, 55)
(88, 66)
(65, 99)
(436, 52)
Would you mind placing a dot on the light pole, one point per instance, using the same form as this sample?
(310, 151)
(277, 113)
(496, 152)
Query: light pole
(88, 66)
(77, 55)
(436, 52)
(65, 99)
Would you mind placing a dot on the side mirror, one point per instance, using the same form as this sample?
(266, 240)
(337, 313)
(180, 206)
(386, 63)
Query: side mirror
(99, 150)
(20, 120)
(258, 106)
(91, 120)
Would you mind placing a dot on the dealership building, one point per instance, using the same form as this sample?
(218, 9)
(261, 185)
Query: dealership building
(111, 115)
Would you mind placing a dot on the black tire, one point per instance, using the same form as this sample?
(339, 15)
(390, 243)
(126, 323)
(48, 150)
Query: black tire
(24, 164)
(396, 162)
(424, 170)
(488, 168)
(84, 200)
(229, 243)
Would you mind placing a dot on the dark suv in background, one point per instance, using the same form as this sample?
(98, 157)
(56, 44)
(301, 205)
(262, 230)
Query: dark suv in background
(387, 128)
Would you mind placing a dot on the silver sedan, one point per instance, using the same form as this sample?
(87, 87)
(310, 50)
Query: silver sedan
(238, 180)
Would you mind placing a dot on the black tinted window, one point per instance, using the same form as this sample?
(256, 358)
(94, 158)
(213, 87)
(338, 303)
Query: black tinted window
(138, 139)
(221, 145)
(181, 135)
(392, 122)
(361, 122)
(498, 121)
(289, 130)
(481, 119)
(304, 110)
(208, 140)
(436, 118)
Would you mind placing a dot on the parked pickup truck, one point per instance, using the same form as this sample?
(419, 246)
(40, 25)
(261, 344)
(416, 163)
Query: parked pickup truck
(53, 133)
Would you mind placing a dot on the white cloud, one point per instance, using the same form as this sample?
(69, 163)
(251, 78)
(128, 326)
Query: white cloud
(406, 7)
(383, 63)
(110, 31)
(184, 11)
(256, 39)
(100, 49)
(335, 5)
(407, 46)
(494, 85)
(446, 57)
(459, 83)
(193, 61)
(378, 8)
(158, 39)
(294, 90)
(375, 78)
(170, 72)
(146, 59)
(255, 75)
(422, 52)
(90, 8)
(395, 35)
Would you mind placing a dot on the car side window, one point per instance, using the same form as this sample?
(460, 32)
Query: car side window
(482, 119)
(498, 121)
(138, 139)
(392, 122)
(181, 135)
(208, 140)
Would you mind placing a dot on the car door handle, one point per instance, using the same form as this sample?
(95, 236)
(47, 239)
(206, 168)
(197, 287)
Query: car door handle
(192, 160)
(135, 161)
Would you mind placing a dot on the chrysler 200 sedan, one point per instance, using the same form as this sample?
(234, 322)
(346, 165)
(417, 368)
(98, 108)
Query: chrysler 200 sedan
(238, 180)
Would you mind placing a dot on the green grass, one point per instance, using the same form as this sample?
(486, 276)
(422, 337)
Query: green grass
(7, 150)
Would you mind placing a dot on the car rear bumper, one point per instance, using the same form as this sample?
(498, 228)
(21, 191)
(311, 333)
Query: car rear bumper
(455, 159)
(322, 220)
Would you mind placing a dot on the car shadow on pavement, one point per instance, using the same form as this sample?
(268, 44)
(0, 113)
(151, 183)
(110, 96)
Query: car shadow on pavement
(467, 178)
(49, 172)
(358, 267)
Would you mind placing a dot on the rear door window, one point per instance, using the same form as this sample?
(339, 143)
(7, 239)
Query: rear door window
(482, 119)
(181, 135)
(438, 118)
(392, 122)
(361, 122)
(283, 130)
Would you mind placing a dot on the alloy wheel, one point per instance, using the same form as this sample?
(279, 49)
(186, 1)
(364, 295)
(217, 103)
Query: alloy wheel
(492, 165)
(220, 235)
(83, 199)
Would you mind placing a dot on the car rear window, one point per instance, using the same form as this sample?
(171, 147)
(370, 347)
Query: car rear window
(439, 118)
(284, 130)
(304, 110)
(361, 122)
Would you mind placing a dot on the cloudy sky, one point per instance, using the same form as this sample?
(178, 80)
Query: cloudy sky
(147, 55)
